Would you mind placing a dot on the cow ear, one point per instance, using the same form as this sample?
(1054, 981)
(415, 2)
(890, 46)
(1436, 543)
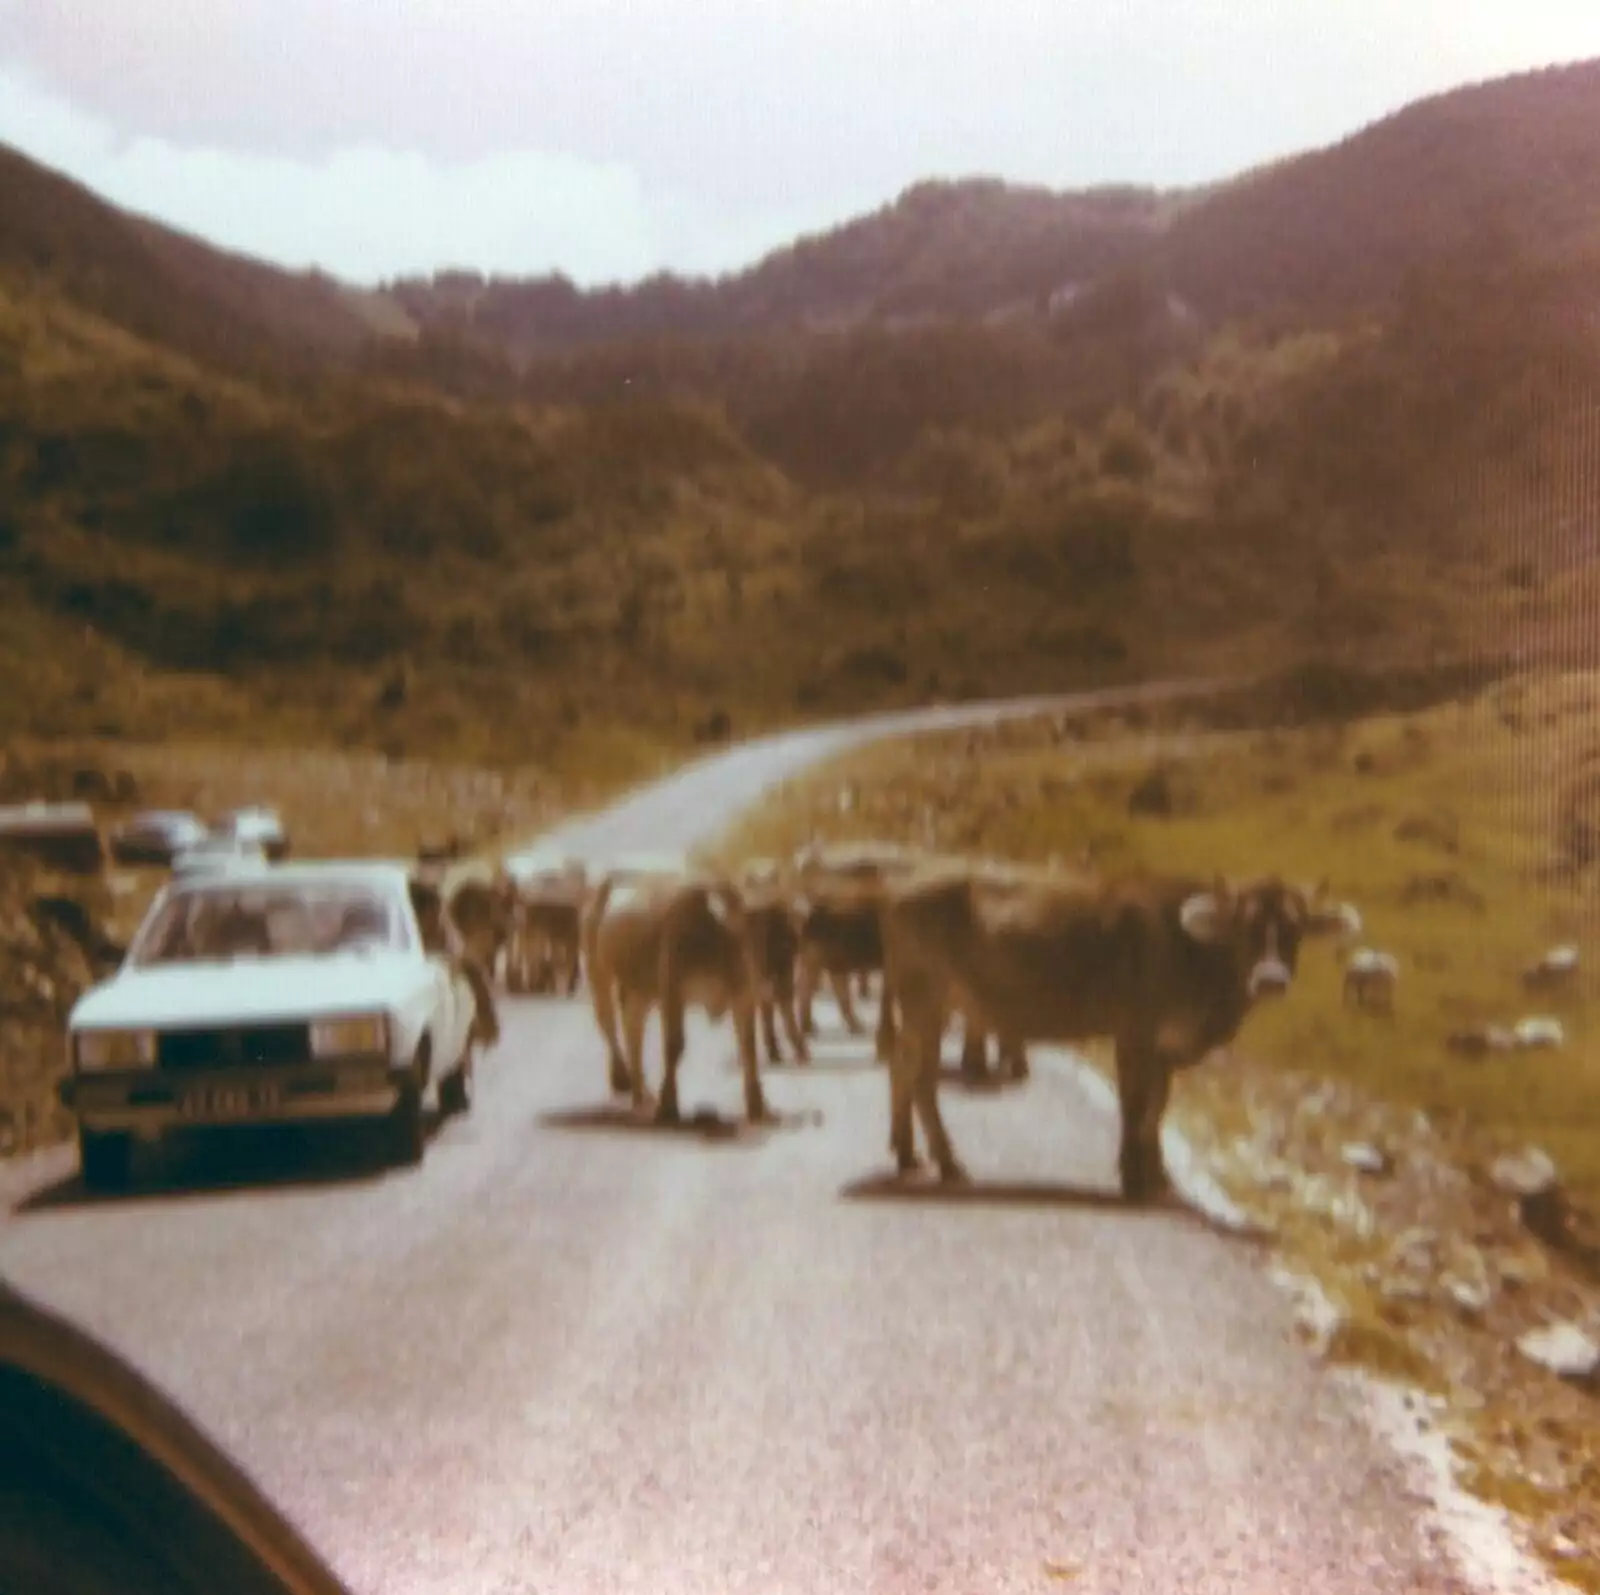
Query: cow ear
(1204, 916)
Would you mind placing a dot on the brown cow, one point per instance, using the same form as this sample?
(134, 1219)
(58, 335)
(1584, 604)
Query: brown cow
(603, 881)
(838, 886)
(668, 943)
(1012, 1056)
(838, 938)
(1168, 968)
(442, 936)
(482, 911)
(546, 936)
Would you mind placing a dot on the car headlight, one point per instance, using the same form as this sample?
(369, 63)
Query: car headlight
(114, 1049)
(363, 1035)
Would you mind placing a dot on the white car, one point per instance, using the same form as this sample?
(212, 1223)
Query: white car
(284, 993)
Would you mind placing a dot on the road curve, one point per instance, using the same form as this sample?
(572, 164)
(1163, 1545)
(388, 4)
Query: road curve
(568, 1355)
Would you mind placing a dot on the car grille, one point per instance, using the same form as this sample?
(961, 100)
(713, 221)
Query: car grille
(265, 1045)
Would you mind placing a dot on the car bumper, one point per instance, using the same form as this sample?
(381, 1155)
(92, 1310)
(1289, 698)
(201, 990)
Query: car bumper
(152, 1101)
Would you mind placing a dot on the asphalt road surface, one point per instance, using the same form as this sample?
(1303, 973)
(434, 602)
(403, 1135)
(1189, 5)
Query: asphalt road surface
(567, 1354)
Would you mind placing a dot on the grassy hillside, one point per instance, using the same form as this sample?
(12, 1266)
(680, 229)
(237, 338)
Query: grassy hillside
(418, 545)
(1313, 236)
(168, 287)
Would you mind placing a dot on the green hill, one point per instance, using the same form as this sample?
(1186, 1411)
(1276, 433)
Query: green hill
(986, 440)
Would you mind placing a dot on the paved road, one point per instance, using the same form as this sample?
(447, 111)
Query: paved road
(570, 1355)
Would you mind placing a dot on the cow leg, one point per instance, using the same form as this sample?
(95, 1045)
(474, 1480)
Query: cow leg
(635, 1011)
(486, 1020)
(847, 1009)
(884, 1050)
(902, 1093)
(603, 997)
(1013, 1058)
(744, 1025)
(804, 991)
(574, 968)
(769, 1030)
(1144, 1082)
(925, 1091)
(784, 1001)
(974, 1052)
(671, 1054)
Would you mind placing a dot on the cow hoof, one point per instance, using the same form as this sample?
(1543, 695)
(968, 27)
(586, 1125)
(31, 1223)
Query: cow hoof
(951, 1172)
(906, 1163)
(759, 1113)
(666, 1113)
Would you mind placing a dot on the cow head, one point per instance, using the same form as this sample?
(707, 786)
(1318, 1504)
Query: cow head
(1264, 923)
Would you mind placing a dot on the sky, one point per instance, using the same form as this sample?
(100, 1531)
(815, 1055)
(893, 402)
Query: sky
(609, 139)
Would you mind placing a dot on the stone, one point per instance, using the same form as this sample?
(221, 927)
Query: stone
(1524, 1174)
(1564, 1350)
(1365, 1158)
(1471, 1296)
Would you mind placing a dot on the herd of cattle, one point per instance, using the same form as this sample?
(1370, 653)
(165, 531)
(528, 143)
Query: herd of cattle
(1166, 968)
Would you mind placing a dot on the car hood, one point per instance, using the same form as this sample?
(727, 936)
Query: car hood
(252, 990)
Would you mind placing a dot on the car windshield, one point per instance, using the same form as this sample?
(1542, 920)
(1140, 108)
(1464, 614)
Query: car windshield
(212, 923)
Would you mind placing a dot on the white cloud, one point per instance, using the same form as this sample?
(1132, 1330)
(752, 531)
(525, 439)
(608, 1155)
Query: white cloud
(365, 212)
(617, 136)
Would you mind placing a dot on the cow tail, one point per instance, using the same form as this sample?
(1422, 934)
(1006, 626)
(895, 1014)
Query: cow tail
(602, 988)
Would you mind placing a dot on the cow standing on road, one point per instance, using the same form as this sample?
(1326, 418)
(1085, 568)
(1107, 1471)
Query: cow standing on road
(1166, 968)
(671, 942)
(546, 932)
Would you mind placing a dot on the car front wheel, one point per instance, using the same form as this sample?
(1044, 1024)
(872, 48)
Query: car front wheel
(405, 1129)
(455, 1090)
(105, 1159)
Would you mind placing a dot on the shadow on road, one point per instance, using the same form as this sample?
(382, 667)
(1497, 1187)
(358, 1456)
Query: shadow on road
(823, 1065)
(255, 1159)
(703, 1124)
(926, 1190)
(986, 1085)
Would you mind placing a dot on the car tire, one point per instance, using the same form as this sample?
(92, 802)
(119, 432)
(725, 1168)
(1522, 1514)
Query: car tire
(455, 1090)
(405, 1130)
(105, 1159)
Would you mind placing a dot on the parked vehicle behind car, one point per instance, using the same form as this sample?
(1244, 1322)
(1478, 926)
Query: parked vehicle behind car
(157, 836)
(60, 837)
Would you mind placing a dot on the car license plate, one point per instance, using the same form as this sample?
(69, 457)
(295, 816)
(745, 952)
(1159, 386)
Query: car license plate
(231, 1102)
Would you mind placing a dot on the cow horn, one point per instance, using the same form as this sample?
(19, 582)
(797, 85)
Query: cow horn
(1204, 915)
